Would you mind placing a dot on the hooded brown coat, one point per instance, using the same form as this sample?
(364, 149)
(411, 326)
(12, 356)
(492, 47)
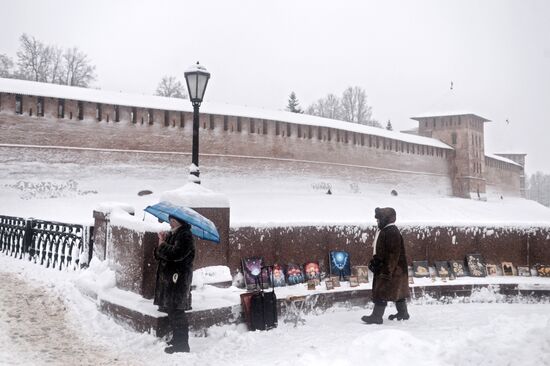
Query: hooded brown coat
(391, 279)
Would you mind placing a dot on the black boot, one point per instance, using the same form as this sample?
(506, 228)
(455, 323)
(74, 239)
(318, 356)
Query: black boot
(179, 342)
(377, 314)
(402, 313)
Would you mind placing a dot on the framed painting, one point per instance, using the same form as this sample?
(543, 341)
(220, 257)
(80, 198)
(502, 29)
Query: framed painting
(361, 272)
(457, 268)
(507, 269)
(476, 265)
(329, 284)
(294, 274)
(524, 271)
(491, 269)
(312, 272)
(335, 281)
(421, 269)
(442, 268)
(339, 264)
(353, 281)
(278, 275)
(543, 270)
(252, 269)
(311, 284)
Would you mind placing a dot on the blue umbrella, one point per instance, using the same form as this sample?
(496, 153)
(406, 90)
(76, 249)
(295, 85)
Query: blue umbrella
(200, 225)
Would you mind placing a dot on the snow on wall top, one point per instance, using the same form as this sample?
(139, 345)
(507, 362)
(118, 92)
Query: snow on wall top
(503, 159)
(25, 87)
(194, 195)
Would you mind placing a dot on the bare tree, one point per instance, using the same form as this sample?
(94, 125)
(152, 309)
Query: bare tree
(77, 67)
(6, 66)
(171, 87)
(328, 107)
(354, 106)
(56, 69)
(52, 64)
(539, 188)
(33, 59)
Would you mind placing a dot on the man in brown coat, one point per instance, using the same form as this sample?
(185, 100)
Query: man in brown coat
(389, 266)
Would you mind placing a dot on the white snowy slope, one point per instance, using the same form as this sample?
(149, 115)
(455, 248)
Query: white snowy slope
(33, 186)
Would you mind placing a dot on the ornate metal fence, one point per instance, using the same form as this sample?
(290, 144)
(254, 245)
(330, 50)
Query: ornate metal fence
(52, 244)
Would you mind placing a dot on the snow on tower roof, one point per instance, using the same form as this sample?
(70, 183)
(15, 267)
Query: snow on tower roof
(25, 87)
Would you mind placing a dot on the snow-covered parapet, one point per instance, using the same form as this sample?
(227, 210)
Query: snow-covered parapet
(195, 196)
(122, 215)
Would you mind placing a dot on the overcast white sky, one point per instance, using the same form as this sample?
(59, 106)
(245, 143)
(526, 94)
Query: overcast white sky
(403, 53)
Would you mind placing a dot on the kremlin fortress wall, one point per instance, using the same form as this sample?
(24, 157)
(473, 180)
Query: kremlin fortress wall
(447, 150)
(445, 156)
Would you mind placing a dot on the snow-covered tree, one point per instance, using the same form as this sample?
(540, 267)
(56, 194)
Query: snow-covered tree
(355, 108)
(328, 107)
(171, 87)
(293, 104)
(51, 64)
(389, 127)
(6, 66)
(33, 59)
(78, 69)
(539, 188)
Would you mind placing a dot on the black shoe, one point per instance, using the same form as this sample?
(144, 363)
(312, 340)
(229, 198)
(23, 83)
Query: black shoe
(177, 348)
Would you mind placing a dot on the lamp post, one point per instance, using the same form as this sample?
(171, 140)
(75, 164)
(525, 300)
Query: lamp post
(196, 78)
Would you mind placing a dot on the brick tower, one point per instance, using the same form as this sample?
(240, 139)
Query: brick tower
(465, 133)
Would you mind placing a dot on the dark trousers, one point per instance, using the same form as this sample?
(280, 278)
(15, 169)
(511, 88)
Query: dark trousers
(178, 322)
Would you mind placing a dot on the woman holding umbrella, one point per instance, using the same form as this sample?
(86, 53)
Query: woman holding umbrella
(175, 253)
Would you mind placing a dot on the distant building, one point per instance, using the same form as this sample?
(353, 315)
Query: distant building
(446, 155)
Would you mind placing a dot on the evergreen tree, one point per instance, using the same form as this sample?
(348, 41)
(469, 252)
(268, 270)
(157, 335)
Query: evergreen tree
(293, 104)
(389, 126)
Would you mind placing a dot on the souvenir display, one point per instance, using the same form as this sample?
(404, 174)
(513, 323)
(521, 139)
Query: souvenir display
(491, 269)
(543, 270)
(457, 268)
(507, 269)
(252, 268)
(339, 264)
(294, 274)
(476, 265)
(278, 275)
(421, 269)
(442, 268)
(361, 272)
(524, 271)
(312, 272)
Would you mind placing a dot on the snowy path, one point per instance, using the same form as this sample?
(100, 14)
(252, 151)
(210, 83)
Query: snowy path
(45, 320)
(35, 330)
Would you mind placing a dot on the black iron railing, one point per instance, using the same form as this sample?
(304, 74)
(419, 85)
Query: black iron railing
(52, 244)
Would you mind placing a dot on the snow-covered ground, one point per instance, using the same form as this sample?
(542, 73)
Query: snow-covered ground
(45, 320)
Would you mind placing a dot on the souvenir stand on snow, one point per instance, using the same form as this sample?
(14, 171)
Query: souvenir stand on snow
(340, 264)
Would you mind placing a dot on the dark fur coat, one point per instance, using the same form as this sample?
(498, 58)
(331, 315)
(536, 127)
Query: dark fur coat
(175, 270)
(391, 279)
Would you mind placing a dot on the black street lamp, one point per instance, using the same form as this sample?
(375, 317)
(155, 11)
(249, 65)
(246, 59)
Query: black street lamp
(196, 77)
